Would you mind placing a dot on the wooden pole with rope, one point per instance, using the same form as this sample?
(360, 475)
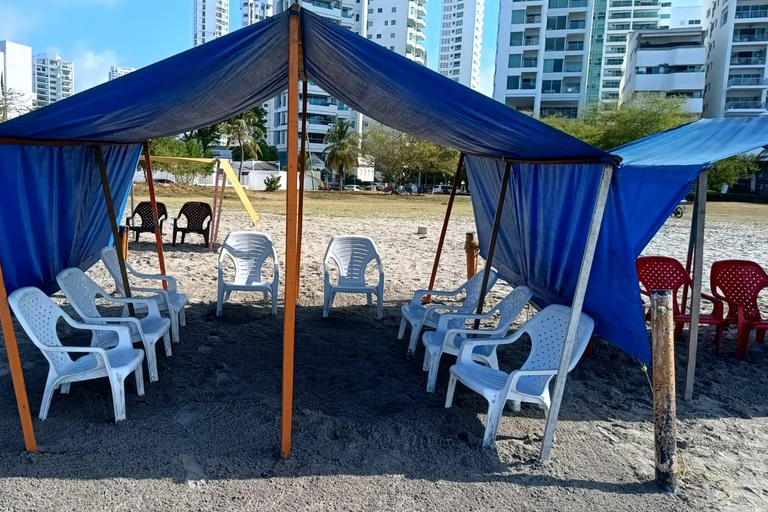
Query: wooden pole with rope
(446, 219)
(215, 215)
(153, 203)
(291, 222)
(302, 165)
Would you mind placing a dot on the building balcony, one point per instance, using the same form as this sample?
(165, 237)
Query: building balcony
(750, 38)
(762, 12)
(530, 63)
(421, 10)
(574, 46)
(748, 61)
(748, 82)
(572, 68)
(533, 18)
(531, 41)
(744, 105)
(419, 36)
(577, 25)
(421, 23)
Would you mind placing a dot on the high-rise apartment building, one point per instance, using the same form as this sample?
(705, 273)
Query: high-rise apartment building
(253, 11)
(557, 56)
(54, 79)
(461, 41)
(398, 25)
(666, 62)
(737, 35)
(16, 78)
(323, 110)
(211, 20)
(117, 72)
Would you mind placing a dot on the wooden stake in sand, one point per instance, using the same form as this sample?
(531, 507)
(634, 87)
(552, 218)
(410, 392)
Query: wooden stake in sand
(664, 404)
(472, 248)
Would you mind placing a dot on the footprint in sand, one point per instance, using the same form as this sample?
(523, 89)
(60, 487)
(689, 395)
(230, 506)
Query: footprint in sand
(186, 415)
(195, 471)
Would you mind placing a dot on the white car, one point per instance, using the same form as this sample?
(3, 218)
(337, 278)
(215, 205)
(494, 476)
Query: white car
(441, 189)
(353, 188)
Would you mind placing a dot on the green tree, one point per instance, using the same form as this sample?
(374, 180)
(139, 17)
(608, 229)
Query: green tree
(401, 156)
(13, 103)
(206, 137)
(185, 172)
(342, 150)
(728, 171)
(609, 125)
(272, 183)
(243, 129)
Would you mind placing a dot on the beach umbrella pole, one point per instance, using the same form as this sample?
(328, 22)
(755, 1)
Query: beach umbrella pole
(153, 203)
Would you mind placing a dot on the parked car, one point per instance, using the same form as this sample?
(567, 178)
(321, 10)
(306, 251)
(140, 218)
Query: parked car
(162, 181)
(441, 189)
(353, 188)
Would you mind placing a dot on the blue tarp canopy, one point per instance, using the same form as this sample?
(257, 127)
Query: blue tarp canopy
(52, 207)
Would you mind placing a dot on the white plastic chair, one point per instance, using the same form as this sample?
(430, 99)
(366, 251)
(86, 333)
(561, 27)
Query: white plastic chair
(531, 382)
(427, 315)
(82, 293)
(170, 301)
(451, 333)
(352, 254)
(38, 315)
(249, 251)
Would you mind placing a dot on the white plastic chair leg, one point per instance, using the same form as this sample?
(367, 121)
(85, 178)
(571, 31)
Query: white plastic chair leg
(167, 343)
(47, 396)
(434, 365)
(380, 304)
(151, 353)
(118, 397)
(369, 298)
(415, 330)
(65, 388)
(403, 324)
(425, 364)
(493, 360)
(139, 376)
(495, 410)
(451, 391)
(220, 301)
(516, 405)
(174, 325)
(274, 304)
(183, 316)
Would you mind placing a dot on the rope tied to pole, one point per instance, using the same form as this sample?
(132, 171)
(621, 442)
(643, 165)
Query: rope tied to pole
(472, 246)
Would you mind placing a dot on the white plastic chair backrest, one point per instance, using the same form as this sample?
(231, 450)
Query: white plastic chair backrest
(249, 250)
(80, 291)
(547, 332)
(472, 289)
(511, 305)
(352, 254)
(38, 315)
(109, 258)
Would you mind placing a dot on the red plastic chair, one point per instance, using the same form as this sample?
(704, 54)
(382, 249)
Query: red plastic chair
(662, 273)
(738, 283)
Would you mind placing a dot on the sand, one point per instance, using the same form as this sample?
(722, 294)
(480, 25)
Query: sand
(366, 434)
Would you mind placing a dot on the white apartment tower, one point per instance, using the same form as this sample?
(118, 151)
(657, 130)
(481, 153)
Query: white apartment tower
(254, 11)
(211, 20)
(461, 41)
(16, 78)
(541, 55)
(54, 79)
(399, 25)
(668, 62)
(323, 110)
(737, 35)
(117, 72)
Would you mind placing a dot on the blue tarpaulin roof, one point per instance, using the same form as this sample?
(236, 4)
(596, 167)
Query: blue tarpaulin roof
(53, 211)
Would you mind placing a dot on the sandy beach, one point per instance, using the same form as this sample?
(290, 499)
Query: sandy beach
(367, 436)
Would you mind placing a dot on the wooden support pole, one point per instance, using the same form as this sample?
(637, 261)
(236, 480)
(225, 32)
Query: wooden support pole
(691, 247)
(214, 214)
(698, 264)
(221, 205)
(446, 219)
(153, 203)
(494, 235)
(576, 306)
(291, 221)
(113, 222)
(17, 374)
(472, 248)
(664, 404)
(302, 165)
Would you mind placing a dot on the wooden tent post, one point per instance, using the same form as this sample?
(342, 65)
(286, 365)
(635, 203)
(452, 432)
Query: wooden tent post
(448, 209)
(576, 306)
(153, 202)
(214, 215)
(291, 221)
(698, 263)
(494, 235)
(691, 246)
(302, 165)
(113, 222)
(17, 374)
(221, 205)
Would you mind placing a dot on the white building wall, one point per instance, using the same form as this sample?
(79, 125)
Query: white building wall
(117, 72)
(253, 11)
(461, 41)
(399, 25)
(54, 79)
(17, 75)
(211, 20)
(737, 36)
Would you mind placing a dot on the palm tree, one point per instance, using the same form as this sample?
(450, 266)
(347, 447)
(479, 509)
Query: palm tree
(244, 130)
(342, 150)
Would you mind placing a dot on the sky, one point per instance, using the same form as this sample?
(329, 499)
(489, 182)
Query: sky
(97, 34)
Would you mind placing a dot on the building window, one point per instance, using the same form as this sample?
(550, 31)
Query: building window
(556, 22)
(513, 82)
(514, 60)
(516, 39)
(393, 22)
(380, 10)
(386, 23)
(551, 86)
(518, 17)
(555, 44)
(553, 65)
(378, 36)
(394, 9)
(392, 35)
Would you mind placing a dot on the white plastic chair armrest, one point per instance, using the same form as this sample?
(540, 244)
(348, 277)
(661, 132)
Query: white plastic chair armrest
(123, 333)
(468, 346)
(442, 324)
(156, 277)
(152, 309)
(156, 291)
(518, 374)
(418, 295)
(99, 352)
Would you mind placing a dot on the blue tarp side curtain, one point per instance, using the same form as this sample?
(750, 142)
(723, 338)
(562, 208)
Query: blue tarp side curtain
(411, 98)
(53, 211)
(543, 234)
